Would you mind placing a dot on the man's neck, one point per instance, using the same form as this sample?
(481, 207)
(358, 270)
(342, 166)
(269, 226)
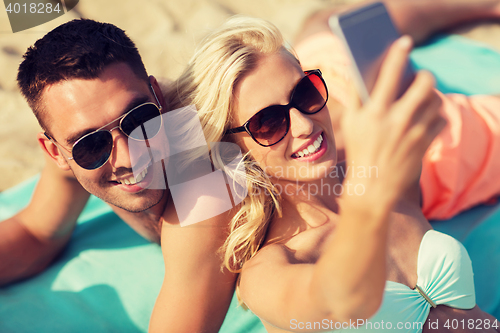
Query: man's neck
(147, 223)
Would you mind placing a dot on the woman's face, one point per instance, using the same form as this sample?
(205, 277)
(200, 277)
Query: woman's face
(297, 157)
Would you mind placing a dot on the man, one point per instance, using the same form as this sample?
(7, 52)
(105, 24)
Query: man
(86, 84)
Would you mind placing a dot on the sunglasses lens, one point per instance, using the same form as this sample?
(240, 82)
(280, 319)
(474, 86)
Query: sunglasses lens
(269, 125)
(93, 150)
(310, 95)
(143, 122)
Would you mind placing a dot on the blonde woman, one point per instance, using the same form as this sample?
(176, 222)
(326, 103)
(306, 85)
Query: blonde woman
(331, 257)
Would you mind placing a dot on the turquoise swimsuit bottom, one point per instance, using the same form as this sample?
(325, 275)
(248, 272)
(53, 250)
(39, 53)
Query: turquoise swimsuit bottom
(445, 277)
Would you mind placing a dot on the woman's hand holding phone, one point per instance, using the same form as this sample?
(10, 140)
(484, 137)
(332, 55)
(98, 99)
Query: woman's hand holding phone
(393, 134)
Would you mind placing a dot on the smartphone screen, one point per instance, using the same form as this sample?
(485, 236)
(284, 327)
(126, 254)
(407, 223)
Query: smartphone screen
(368, 32)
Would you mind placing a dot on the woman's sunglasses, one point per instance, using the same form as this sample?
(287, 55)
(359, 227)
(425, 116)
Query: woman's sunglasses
(93, 150)
(271, 124)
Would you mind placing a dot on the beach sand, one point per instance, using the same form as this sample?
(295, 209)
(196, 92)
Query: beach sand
(165, 31)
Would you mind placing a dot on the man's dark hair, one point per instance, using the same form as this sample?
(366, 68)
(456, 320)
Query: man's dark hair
(79, 49)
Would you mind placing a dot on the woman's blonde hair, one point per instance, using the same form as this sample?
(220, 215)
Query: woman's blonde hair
(221, 61)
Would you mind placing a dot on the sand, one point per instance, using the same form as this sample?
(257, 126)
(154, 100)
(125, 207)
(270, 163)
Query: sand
(165, 31)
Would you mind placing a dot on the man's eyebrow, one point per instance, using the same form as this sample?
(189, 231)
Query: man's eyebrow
(132, 104)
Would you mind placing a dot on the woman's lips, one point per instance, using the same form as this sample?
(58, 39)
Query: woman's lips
(312, 150)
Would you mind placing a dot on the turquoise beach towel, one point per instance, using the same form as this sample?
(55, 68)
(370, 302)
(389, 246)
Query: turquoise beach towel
(108, 277)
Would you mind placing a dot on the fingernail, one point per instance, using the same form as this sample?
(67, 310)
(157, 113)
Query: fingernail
(405, 42)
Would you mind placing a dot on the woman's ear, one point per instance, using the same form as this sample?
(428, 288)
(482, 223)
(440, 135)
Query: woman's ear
(159, 93)
(54, 152)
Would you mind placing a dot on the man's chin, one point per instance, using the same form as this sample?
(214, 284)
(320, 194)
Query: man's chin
(132, 198)
(133, 203)
(137, 205)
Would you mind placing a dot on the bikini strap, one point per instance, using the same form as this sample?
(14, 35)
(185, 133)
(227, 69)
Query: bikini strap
(425, 296)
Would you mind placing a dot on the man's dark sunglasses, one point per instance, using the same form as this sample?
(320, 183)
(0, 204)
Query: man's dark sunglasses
(271, 124)
(93, 150)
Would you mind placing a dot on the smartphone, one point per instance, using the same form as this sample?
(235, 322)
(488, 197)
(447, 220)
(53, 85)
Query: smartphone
(367, 33)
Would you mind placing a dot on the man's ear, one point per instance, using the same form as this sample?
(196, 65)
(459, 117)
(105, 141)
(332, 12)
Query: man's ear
(52, 151)
(159, 93)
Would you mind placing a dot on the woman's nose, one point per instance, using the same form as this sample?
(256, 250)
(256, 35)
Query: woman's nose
(300, 124)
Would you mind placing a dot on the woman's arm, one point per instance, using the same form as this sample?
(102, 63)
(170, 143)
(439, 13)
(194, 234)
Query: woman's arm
(347, 281)
(419, 19)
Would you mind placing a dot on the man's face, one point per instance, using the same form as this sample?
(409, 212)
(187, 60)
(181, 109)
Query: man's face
(77, 106)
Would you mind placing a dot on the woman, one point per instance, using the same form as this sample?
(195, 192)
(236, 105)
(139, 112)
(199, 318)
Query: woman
(325, 258)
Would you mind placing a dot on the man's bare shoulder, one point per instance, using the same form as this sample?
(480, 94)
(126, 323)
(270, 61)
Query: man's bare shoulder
(60, 185)
(57, 202)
